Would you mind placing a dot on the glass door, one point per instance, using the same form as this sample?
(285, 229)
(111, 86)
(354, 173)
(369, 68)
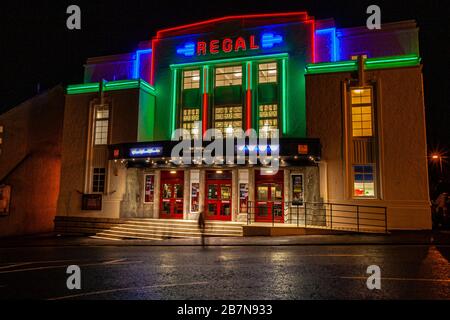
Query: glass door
(218, 200)
(171, 199)
(269, 202)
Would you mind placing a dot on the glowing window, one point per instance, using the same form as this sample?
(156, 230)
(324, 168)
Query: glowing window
(362, 120)
(268, 120)
(228, 119)
(101, 125)
(364, 181)
(267, 72)
(191, 79)
(190, 120)
(229, 76)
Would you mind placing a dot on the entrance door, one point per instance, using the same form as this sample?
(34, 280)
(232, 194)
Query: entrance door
(269, 198)
(218, 196)
(171, 199)
(269, 202)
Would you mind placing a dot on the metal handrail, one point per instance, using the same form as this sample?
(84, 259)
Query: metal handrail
(327, 215)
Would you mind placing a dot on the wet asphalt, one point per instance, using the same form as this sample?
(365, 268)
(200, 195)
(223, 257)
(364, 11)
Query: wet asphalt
(413, 271)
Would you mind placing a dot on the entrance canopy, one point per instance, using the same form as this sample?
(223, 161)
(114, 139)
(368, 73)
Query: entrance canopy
(290, 150)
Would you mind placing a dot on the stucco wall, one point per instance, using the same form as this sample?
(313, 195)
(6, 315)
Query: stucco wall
(75, 155)
(30, 162)
(399, 110)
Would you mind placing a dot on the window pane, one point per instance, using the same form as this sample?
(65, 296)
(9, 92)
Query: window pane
(228, 119)
(98, 180)
(191, 79)
(361, 99)
(228, 76)
(267, 72)
(268, 120)
(364, 184)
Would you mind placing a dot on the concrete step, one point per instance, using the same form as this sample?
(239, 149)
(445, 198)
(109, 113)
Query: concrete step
(145, 229)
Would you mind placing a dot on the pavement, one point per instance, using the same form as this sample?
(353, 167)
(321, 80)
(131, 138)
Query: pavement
(274, 272)
(393, 238)
(413, 265)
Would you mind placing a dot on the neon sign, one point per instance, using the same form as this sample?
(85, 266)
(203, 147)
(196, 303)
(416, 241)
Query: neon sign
(227, 45)
(187, 50)
(148, 151)
(268, 40)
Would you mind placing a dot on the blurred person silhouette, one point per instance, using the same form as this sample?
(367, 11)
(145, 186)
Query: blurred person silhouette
(202, 226)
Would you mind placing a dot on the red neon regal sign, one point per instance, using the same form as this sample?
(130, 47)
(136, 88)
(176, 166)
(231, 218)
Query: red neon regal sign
(227, 45)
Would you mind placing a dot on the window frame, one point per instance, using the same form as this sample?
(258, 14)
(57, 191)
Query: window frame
(260, 71)
(260, 118)
(233, 77)
(191, 77)
(215, 120)
(361, 114)
(96, 182)
(374, 180)
(104, 135)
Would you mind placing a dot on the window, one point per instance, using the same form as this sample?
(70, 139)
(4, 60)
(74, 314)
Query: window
(189, 119)
(364, 182)
(191, 79)
(268, 119)
(101, 125)
(229, 76)
(228, 118)
(98, 181)
(267, 72)
(361, 100)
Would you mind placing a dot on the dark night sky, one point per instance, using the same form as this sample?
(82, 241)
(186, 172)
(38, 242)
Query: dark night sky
(37, 48)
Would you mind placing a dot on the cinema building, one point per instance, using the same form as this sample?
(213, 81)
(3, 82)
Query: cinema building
(347, 103)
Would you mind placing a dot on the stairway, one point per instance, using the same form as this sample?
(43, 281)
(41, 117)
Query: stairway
(160, 229)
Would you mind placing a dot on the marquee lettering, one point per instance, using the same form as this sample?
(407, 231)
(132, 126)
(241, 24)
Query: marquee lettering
(227, 45)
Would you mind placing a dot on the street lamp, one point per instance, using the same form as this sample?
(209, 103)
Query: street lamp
(438, 157)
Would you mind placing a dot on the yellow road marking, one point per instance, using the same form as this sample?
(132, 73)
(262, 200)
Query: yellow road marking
(64, 266)
(127, 289)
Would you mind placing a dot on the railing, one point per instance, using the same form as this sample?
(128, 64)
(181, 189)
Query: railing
(333, 216)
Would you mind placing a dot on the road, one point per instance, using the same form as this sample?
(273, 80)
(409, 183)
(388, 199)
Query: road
(220, 272)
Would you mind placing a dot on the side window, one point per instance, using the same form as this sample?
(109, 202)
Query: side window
(101, 125)
(98, 180)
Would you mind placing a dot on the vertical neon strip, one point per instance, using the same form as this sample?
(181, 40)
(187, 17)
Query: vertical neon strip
(174, 99)
(284, 94)
(313, 39)
(137, 62)
(334, 45)
(152, 67)
(249, 95)
(205, 100)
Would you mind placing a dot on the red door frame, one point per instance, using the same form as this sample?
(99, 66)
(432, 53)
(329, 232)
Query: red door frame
(218, 202)
(174, 203)
(269, 180)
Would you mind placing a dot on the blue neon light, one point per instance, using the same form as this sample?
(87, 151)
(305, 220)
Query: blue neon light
(188, 50)
(137, 62)
(331, 32)
(146, 152)
(258, 148)
(268, 40)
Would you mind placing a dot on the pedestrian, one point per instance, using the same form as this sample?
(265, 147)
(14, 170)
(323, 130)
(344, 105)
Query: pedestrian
(441, 209)
(202, 226)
